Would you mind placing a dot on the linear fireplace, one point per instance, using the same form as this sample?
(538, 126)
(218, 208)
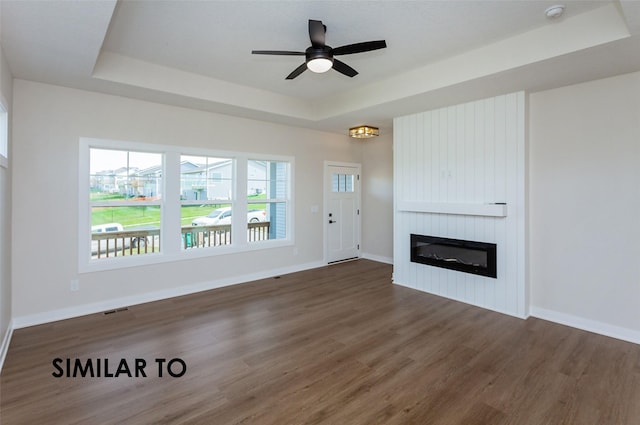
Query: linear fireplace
(455, 254)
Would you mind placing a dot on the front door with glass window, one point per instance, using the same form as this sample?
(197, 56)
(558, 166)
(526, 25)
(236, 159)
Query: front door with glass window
(342, 213)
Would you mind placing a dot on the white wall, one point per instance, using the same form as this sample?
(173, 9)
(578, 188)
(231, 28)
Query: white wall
(48, 122)
(470, 155)
(585, 205)
(6, 90)
(377, 198)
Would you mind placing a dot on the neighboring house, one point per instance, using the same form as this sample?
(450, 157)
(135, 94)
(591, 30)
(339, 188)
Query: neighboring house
(146, 182)
(257, 178)
(214, 181)
(113, 181)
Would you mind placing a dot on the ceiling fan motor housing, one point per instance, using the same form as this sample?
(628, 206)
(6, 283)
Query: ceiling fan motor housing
(323, 52)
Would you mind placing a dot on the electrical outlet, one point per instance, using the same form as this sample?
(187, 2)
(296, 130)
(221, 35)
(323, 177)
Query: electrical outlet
(75, 285)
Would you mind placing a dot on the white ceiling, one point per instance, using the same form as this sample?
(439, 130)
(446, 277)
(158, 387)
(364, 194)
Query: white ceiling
(198, 53)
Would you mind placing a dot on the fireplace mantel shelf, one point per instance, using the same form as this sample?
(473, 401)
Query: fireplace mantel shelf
(488, 210)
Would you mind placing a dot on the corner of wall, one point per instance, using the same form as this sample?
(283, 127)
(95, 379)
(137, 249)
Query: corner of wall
(6, 325)
(4, 346)
(527, 206)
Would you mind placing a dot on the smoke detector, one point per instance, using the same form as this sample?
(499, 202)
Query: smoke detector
(554, 12)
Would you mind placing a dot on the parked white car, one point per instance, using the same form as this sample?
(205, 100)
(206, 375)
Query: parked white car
(223, 216)
(109, 227)
(115, 243)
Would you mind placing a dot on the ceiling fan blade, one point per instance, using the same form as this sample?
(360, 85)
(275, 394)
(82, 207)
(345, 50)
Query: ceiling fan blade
(343, 68)
(359, 47)
(299, 70)
(276, 52)
(316, 33)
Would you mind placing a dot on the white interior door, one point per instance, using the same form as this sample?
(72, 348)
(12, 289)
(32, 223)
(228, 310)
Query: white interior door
(342, 212)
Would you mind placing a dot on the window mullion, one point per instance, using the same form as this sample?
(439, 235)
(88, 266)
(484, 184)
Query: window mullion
(124, 203)
(239, 217)
(170, 219)
(262, 201)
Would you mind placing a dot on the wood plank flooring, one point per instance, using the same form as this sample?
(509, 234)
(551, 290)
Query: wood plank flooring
(335, 345)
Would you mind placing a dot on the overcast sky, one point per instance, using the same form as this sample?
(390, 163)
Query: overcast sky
(107, 159)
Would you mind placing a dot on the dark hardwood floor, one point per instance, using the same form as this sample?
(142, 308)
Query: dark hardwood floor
(335, 345)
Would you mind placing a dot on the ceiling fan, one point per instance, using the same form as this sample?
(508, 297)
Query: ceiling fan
(320, 57)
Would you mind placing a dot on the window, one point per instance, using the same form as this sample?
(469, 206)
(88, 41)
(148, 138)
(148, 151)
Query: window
(268, 203)
(206, 195)
(342, 183)
(144, 204)
(4, 135)
(125, 190)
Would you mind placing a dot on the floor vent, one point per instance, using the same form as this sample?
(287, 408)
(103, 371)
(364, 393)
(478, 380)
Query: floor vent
(343, 261)
(117, 310)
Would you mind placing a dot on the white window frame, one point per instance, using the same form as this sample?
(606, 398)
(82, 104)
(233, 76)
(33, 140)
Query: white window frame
(287, 200)
(85, 263)
(170, 205)
(213, 154)
(4, 134)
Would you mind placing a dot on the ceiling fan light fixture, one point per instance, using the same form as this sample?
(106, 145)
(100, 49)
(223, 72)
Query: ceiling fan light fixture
(319, 65)
(364, 132)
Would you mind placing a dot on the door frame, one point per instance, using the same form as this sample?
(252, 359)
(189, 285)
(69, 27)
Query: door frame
(326, 187)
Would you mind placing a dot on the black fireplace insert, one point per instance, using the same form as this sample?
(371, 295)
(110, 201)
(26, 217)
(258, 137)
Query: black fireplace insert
(455, 254)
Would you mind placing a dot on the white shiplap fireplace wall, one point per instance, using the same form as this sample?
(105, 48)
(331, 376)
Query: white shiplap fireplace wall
(453, 168)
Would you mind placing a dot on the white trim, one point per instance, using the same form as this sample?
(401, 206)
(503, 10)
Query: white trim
(378, 258)
(289, 200)
(618, 332)
(6, 341)
(82, 310)
(126, 204)
(4, 134)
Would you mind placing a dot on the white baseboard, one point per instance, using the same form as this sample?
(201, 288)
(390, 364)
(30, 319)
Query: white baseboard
(6, 340)
(82, 310)
(589, 325)
(378, 258)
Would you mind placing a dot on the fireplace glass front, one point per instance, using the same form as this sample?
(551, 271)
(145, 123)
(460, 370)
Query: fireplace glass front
(455, 254)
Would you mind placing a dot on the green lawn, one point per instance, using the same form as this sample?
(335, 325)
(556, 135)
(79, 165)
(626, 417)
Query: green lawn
(138, 216)
(149, 216)
(102, 196)
(145, 216)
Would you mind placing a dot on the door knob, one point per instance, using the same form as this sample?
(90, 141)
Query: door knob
(332, 221)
